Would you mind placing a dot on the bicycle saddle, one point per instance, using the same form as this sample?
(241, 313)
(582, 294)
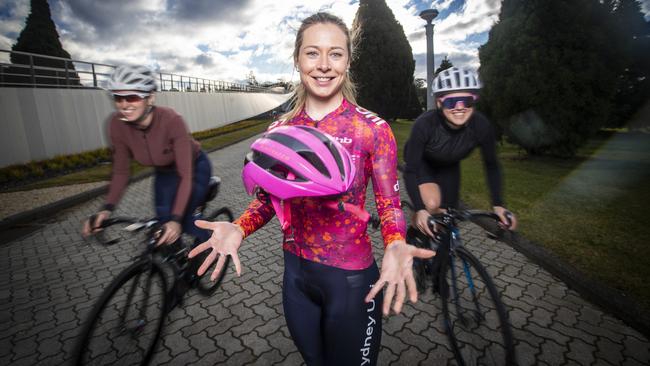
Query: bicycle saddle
(213, 188)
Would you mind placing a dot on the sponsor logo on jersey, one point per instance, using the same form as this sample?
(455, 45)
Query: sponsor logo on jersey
(396, 187)
(371, 116)
(343, 140)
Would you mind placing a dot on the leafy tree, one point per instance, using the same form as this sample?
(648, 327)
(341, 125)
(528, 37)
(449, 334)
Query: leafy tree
(383, 66)
(421, 84)
(41, 37)
(548, 69)
(444, 65)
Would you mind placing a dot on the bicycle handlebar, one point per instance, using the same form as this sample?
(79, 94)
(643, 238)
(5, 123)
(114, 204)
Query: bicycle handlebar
(135, 225)
(446, 219)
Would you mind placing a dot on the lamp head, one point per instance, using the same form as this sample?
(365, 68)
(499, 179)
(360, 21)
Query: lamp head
(429, 14)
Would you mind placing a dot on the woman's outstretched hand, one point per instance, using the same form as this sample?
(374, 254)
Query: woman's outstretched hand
(225, 240)
(397, 275)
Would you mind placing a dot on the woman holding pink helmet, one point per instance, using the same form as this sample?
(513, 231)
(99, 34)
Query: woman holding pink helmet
(311, 169)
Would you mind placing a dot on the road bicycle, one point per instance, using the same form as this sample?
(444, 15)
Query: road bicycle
(125, 324)
(474, 317)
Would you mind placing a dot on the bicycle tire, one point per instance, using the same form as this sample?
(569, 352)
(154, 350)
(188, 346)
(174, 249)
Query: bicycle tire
(476, 322)
(205, 286)
(119, 339)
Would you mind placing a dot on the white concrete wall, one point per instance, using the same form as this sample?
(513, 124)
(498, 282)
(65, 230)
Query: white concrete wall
(37, 124)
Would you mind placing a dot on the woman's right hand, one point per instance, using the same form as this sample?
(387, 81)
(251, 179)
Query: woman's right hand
(90, 228)
(421, 221)
(225, 240)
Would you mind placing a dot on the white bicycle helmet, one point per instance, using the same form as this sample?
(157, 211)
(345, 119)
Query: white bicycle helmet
(137, 78)
(455, 79)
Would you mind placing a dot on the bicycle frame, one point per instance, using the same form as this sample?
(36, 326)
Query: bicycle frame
(459, 279)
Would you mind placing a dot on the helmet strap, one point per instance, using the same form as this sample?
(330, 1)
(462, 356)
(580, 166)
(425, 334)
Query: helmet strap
(282, 211)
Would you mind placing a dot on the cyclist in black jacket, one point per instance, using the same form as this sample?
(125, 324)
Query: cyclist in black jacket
(440, 139)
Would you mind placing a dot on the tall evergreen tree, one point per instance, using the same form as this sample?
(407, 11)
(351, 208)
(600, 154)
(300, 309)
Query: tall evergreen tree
(383, 66)
(548, 69)
(633, 33)
(41, 37)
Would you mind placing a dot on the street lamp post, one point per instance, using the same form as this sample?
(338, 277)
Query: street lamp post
(429, 15)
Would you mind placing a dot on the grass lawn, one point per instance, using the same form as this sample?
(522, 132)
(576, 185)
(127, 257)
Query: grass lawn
(588, 210)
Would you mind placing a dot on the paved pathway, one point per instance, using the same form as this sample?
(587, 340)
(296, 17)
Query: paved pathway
(50, 278)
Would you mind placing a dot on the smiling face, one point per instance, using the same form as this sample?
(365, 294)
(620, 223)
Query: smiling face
(460, 113)
(131, 104)
(323, 60)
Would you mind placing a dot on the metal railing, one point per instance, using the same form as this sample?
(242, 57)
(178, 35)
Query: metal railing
(36, 71)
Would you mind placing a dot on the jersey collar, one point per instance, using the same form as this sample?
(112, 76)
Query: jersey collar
(306, 119)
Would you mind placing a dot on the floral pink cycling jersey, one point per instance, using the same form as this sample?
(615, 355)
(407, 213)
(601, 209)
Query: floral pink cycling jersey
(333, 237)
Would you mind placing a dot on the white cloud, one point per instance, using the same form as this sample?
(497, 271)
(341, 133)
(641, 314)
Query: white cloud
(226, 39)
(14, 22)
(256, 35)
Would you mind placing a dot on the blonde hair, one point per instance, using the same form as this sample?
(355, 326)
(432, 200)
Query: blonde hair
(348, 88)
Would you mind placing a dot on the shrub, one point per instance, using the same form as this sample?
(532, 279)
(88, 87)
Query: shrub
(35, 169)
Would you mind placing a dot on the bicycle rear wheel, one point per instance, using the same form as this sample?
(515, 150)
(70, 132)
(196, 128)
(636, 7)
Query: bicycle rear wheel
(124, 325)
(475, 319)
(206, 286)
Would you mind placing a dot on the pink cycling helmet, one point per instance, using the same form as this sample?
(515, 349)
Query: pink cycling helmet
(298, 161)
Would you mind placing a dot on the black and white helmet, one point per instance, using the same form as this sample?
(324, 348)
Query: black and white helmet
(137, 78)
(455, 79)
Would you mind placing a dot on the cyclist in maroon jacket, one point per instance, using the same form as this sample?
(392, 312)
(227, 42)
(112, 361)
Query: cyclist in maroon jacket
(154, 136)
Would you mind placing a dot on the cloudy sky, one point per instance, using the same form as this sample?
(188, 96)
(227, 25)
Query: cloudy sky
(227, 39)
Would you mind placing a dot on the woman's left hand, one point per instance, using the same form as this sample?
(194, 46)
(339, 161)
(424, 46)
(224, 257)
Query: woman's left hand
(397, 275)
(171, 233)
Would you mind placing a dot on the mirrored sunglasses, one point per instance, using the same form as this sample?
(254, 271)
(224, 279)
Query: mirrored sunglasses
(130, 98)
(450, 102)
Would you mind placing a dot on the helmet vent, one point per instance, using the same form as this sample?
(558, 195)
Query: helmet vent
(330, 147)
(301, 149)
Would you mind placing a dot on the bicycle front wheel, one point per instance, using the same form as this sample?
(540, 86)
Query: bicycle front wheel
(476, 321)
(206, 286)
(124, 325)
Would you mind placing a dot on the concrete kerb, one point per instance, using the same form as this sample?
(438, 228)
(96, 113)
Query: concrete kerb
(29, 216)
(609, 299)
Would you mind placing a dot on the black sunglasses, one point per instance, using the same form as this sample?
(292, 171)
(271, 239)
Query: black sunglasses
(450, 102)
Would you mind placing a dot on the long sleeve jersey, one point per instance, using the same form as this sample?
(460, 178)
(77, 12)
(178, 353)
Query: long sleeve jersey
(335, 238)
(165, 143)
(433, 142)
